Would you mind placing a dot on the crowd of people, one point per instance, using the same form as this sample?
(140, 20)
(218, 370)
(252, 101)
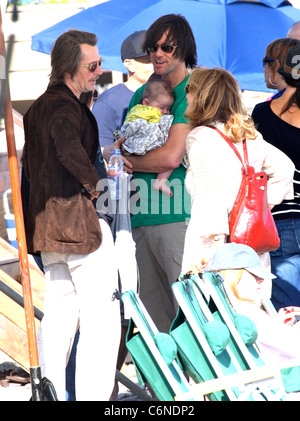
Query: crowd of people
(69, 138)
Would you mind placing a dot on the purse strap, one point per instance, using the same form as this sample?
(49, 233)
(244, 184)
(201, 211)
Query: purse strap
(245, 163)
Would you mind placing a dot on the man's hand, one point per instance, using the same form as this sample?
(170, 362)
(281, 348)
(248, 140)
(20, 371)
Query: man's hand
(108, 151)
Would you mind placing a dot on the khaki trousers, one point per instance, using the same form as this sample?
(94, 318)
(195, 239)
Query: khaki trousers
(159, 251)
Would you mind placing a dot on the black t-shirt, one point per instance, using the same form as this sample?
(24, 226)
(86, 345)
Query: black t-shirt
(286, 138)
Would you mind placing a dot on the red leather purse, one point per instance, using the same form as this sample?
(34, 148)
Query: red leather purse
(250, 220)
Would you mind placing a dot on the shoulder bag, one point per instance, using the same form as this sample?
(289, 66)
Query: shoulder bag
(250, 220)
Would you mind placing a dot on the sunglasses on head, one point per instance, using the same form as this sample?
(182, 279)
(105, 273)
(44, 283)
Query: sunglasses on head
(93, 66)
(166, 48)
(267, 60)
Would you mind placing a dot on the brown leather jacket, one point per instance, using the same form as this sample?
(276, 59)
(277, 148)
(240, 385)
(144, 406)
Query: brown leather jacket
(61, 142)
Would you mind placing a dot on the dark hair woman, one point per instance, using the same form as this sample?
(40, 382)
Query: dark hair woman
(278, 121)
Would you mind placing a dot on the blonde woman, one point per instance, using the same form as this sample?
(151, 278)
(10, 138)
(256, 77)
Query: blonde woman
(214, 175)
(240, 266)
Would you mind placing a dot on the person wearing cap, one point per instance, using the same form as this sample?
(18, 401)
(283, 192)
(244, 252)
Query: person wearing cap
(242, 271)
(278, 121)
(243, 259)
(111, 107)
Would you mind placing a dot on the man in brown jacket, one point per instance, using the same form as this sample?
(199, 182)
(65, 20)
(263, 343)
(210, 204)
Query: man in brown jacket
(77, 251)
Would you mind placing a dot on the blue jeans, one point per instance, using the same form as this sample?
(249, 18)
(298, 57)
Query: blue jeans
(285, 264)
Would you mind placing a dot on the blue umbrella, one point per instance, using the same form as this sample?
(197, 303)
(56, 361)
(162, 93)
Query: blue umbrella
(229, 34)
(104, 19)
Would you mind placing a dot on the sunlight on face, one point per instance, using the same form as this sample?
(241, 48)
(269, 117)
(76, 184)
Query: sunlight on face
(249, 287)
(190, 101)
(143, 69)
(84, 80)
(164, 63)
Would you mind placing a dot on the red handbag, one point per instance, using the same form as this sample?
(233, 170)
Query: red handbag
(250, 220)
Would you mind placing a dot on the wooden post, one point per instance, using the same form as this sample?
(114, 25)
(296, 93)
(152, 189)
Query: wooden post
(20, 228)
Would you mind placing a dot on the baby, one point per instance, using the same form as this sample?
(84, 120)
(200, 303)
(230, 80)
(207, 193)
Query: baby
(147, 125)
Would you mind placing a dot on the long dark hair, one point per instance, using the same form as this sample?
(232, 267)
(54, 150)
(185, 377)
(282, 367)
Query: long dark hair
(179, 33)
(66, 54)
(295, 97)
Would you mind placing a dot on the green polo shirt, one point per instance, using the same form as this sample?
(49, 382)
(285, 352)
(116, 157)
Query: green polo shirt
(152, 207)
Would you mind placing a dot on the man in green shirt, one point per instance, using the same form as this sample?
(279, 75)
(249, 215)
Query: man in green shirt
(159, 222)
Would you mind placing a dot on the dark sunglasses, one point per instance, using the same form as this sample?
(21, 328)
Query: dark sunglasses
(164, 47)
(187, 89)
(267, 60)
(93, 66)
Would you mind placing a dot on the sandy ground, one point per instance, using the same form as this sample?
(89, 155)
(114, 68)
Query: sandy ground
(18, 393)
(14, 392)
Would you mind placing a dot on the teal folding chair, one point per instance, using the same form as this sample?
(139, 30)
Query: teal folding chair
(243, 332)
(291, 375)
(211, 347)
(222, 296)
(153, 353)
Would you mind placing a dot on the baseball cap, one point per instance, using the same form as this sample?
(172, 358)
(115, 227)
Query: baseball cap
(132, 46)
(237, 256)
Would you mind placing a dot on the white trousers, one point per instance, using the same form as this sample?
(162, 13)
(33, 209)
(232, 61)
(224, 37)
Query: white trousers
(79, 291)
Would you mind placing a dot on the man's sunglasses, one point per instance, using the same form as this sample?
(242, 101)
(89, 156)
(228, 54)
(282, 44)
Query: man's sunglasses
(93, 66)
(267, 60)
(164, 47)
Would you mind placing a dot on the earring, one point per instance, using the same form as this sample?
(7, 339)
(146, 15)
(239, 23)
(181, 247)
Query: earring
(273, 84)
